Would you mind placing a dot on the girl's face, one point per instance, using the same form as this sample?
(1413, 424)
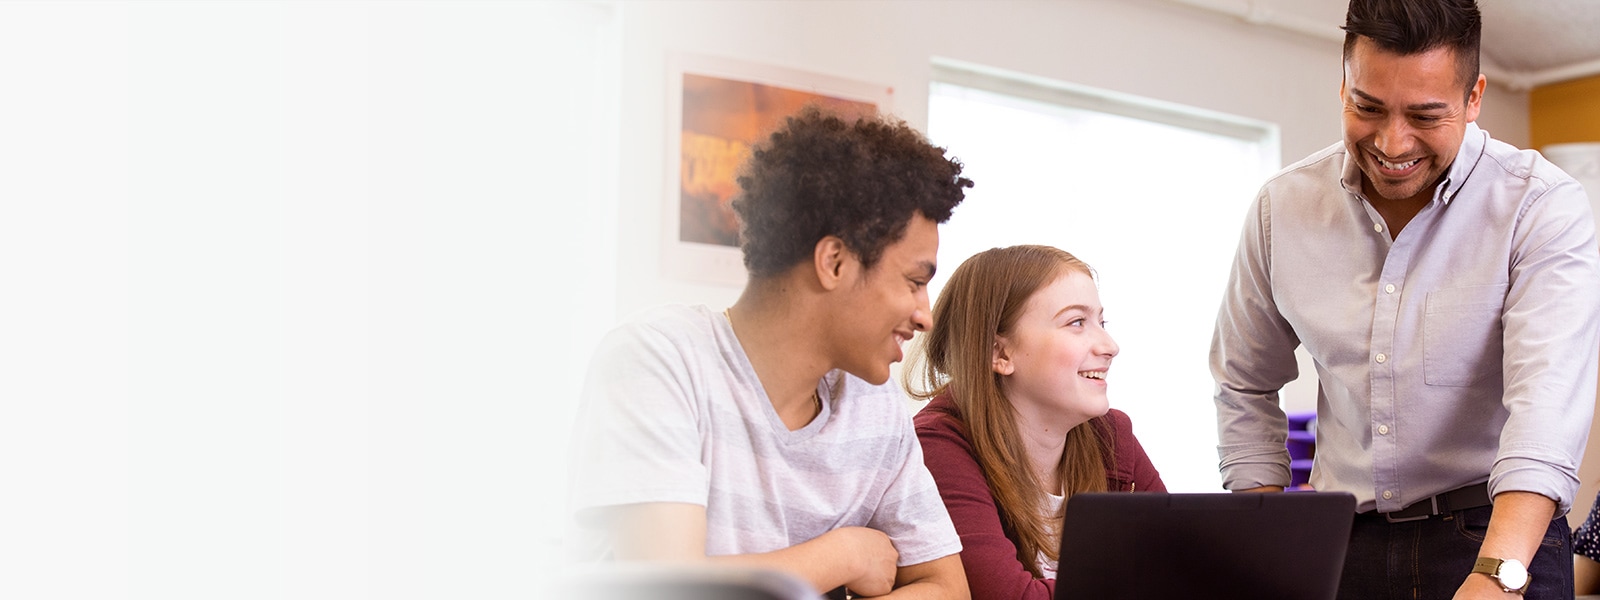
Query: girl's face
(1055, 359)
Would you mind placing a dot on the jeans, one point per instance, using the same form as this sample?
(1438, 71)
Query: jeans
(1432, 557)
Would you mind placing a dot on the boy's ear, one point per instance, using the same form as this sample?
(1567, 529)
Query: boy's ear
(831, 259)
(1002, 358)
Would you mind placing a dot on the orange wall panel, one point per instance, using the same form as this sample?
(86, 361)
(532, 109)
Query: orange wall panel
(1568, 111)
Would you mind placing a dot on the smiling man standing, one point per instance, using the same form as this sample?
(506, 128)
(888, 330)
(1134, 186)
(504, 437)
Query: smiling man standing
(767, 434)
(1448, 287)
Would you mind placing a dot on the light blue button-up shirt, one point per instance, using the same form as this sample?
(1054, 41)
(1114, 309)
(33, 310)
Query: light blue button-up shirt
(1462, 351)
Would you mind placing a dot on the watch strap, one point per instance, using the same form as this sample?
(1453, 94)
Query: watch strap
(1491, 567)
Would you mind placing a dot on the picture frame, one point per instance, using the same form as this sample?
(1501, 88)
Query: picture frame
(717, 109)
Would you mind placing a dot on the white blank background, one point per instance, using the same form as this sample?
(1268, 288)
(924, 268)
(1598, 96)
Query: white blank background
(290, 293)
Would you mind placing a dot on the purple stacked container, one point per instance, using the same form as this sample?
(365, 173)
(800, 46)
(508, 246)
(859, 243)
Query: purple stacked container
(1302, 447)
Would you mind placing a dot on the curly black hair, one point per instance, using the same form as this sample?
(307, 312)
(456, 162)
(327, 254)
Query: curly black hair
(819, 175)
(1408, 27)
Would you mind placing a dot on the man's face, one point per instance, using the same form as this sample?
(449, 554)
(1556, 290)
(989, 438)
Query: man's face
(882, 308)
(1404, 117)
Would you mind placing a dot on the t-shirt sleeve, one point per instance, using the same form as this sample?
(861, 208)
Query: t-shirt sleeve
(912, 514)
(637, 437)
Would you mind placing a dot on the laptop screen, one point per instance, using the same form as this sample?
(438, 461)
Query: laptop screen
(1283, 546)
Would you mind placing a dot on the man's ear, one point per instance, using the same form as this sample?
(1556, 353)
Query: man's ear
(1002, 358)
(831, 259)
(1475, 97)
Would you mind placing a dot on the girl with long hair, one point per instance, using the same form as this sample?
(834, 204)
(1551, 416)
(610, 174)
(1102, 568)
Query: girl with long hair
(1016, 367)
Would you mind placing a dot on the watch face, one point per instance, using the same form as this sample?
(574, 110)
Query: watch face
(1513, 575)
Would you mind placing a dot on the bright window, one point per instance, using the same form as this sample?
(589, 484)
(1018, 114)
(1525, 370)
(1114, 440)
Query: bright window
(1150, 195)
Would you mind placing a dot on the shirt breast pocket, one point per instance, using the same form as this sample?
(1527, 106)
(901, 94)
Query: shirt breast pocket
(1461, 335)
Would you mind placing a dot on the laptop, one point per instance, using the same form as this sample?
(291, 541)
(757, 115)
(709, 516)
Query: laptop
(1282, 546)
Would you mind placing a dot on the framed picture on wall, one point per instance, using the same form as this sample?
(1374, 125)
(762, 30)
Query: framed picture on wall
(718, 109)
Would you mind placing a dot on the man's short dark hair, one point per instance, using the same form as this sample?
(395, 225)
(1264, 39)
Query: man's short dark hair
(1408, 27)
(820, 175)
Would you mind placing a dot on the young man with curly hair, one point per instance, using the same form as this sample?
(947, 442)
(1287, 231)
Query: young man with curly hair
(768, 434)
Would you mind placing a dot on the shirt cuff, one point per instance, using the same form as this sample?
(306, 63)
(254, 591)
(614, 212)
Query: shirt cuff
(1246, 466)
(1518, 474)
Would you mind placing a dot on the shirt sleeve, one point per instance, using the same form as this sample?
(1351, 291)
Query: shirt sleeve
(987, 555)
(637, 438)
(1551, 346)
(911, 513)
(1252, 358)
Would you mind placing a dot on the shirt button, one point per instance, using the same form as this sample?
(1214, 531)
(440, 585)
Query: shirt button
(1383, 430)
(1387, 494)
(1378, 227)
(1389, 288)
(1380, 358)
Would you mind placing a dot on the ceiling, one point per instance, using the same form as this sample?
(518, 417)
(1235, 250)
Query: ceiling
(1526, 43)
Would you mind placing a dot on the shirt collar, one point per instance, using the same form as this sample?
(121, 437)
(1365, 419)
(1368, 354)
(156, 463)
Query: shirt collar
(1473, 143)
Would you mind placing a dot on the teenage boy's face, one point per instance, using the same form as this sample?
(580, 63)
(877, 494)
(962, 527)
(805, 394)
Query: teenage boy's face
(885, 306)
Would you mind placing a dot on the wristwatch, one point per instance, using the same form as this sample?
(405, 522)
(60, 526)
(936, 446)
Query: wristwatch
(1509, 573)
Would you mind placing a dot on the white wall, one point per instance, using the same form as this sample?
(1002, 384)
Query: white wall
(292, 294)
(1145, 47)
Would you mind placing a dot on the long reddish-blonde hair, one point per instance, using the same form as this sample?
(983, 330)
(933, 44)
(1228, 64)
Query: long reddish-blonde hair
(983, 300)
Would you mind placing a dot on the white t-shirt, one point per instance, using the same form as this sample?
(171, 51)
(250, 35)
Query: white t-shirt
(1052, 510)
(672, 411)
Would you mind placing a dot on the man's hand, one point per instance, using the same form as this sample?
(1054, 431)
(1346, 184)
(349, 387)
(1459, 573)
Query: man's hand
(1479, 585)
(1264, 488)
